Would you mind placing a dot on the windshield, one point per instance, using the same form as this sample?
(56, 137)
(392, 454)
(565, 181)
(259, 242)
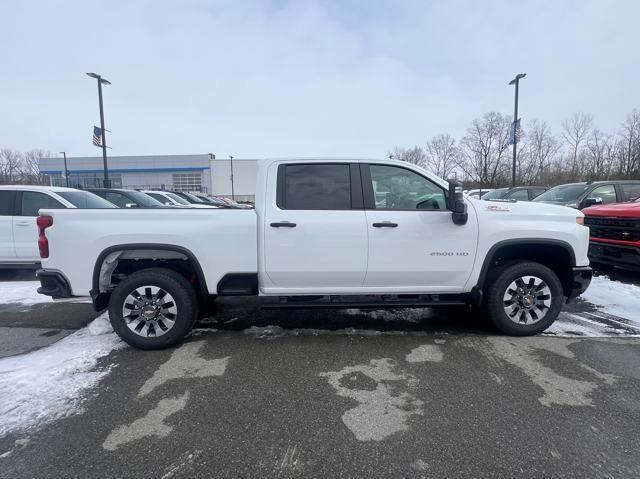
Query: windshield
(495, 194)
(142, 199)
(177, 199)
(84, 199)
(562, 193)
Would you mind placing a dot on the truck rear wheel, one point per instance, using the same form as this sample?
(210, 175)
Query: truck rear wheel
(153, 308)
(523, 298)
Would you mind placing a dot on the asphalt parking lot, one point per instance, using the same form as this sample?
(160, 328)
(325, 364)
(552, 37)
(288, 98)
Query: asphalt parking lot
(410, 393)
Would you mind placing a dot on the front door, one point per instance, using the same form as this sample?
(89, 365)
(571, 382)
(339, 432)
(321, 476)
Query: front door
(413, 243)
(25, 230)
(315, 234)
(7, 252)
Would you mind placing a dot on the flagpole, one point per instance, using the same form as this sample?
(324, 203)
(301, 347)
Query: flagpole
(515, 81)
(106, 182)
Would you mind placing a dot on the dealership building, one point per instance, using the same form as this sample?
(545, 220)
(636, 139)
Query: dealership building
(203, 173)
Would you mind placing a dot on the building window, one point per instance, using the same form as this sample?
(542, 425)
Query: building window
(187, 181)
(85, 180)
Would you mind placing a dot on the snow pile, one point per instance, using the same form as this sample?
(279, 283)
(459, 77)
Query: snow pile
(23, 292)
(48, 384)
(615, 298)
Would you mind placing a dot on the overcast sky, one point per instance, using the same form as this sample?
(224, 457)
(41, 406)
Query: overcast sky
(304, 78)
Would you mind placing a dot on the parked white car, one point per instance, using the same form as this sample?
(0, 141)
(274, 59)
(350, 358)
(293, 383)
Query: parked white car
(19, 206)
(171, 199)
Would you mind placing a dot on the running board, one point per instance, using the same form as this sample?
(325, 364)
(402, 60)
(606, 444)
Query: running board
(345, 302)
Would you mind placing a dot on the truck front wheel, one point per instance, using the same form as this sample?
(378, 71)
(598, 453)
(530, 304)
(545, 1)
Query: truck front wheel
(153, 308)
(523, 298)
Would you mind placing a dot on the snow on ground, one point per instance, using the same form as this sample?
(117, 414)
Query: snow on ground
(23, 292)
(614, 297)
(49, 383)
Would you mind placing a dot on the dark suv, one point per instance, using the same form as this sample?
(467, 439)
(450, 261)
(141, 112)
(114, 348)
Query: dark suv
(520, 193)
(126, 198)
(582, 195)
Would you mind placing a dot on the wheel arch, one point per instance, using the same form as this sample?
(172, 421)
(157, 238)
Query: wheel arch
(558, 255)
(100, 294)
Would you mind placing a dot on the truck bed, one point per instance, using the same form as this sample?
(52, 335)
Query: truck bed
(223, 240)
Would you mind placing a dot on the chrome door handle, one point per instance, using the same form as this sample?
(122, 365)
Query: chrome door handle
(385, 224)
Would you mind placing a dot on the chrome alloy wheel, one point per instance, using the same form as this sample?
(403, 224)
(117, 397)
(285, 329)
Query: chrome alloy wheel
(527, 300)
(149, 311)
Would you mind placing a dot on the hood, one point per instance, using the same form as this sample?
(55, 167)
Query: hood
(561, 203)
(615, 210)
(525, 208)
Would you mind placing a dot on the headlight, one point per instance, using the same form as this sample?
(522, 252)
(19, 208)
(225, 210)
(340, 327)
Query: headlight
(580, 220)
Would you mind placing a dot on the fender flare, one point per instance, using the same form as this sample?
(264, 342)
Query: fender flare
(517, 242)
(100, 299)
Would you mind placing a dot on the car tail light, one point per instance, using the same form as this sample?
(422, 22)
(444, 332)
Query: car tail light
(43, 223)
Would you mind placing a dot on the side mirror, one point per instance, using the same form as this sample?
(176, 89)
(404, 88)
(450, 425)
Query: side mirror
(132, 205)
(592, 201)
(456, 204)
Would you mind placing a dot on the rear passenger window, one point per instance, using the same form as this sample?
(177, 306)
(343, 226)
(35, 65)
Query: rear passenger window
(630, 192)
(537, 192)
(6, 202)
(316, 187)
(520, 195)
(32, 202)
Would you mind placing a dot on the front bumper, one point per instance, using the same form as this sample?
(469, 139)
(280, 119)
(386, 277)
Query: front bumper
(54, 284)
(581, 279)
(615, 255)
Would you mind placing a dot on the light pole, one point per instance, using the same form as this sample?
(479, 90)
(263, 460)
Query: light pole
(516, 82)
(66, 170)
(233, 196)
(106, 182)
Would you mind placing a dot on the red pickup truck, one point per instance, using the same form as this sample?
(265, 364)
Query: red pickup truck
(614, 237)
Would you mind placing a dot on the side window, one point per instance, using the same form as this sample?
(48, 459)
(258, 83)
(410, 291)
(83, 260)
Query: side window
(158, 197)
(33, 201)
(606, 192)
(316, 187)
(536, 192)
(630, 192)
(117, 199)
(520, 195)
(6, 202)
(397, 188)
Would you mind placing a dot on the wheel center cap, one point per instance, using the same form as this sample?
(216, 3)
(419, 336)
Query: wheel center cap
(149, 312)
(527, 301)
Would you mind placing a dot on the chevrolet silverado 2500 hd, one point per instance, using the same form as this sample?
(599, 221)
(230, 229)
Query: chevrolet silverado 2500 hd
(323, 232)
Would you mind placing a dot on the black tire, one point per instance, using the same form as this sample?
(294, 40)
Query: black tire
(494, 303)
(182, 294)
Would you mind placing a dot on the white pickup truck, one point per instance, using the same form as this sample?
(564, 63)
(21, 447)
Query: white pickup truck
(323, 234)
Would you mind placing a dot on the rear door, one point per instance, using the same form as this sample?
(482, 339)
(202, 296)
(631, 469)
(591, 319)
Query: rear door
(7, 251)
(25, 231)
(413, 243)
(315, 234)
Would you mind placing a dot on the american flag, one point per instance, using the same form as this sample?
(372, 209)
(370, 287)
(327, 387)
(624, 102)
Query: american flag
(97, 136)
(514, 132)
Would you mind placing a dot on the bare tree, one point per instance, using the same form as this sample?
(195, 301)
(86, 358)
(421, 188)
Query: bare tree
(415, 155)
(16, 167)
(629, 147)
(575, 131)
(542, 147)
(599, 156)
(483, 158)
(9, 166)
(442, 156)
